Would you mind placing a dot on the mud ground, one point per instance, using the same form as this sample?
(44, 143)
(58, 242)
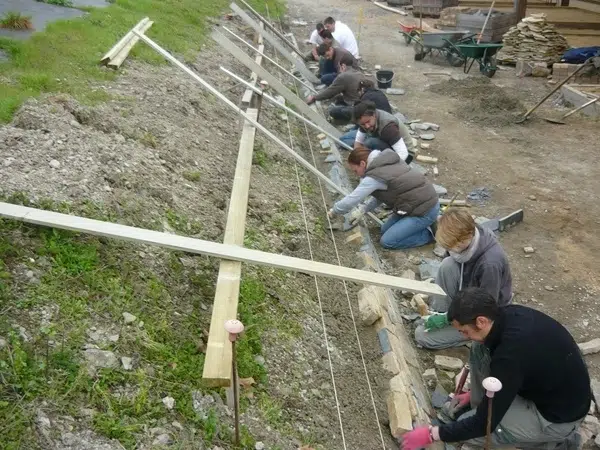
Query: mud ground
(550, 171)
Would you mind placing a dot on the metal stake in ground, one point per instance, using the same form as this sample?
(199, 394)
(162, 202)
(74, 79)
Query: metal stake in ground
(491, 386)
(234, 328)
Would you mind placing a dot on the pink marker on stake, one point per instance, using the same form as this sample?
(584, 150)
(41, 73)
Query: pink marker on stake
(234, 328)
(491, 386)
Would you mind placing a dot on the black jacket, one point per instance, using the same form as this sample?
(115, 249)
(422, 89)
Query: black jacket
(536, 358)
(377, 97)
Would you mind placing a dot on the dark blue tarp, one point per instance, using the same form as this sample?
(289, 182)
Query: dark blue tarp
(580, 55)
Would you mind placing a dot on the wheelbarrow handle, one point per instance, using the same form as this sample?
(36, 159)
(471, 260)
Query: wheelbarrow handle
(561, 84)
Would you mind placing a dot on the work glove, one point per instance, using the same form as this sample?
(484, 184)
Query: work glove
(356, 215)
(331, 214)
(436, 321)
(416, 439)
(460, 400)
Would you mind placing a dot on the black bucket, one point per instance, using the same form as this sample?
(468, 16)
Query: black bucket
(384, 78)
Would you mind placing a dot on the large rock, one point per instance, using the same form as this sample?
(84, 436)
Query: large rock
(448, 362)
(590, 347)
(100, 359)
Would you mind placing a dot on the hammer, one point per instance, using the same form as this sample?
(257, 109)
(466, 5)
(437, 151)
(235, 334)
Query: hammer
(491, 386)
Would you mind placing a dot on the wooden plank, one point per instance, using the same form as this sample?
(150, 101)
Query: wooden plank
(272, 28)
(217, 364)
(275, 43)
(271, 60)
(248, 94)
(289, 96)
(119, 45)
(247, 97)
(122, 54)
(208, 248)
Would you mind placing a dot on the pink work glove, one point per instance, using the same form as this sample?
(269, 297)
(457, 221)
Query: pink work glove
(416, 439)
(461, 400)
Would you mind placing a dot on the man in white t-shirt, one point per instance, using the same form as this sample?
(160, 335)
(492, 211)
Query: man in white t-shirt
(343, 35)
(315, 40)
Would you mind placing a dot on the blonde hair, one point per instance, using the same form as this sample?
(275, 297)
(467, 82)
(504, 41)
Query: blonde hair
(454, 226)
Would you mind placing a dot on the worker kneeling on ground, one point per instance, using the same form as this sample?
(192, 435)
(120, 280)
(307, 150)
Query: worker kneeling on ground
(389, 180)
(378, 129)
(344, 89)
(476, 260)
(545, 391)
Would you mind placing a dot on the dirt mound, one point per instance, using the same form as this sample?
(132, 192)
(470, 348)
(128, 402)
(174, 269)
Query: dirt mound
(481, 101)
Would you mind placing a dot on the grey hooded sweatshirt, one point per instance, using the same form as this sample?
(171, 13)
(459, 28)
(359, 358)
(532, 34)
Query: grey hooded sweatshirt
(488, 268)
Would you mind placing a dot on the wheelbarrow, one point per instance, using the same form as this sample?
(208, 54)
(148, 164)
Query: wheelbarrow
(410, 31)
(442, 43)
(484, 54)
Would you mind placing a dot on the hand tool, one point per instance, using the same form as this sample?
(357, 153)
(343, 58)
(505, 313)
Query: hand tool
(491, 386)
(558, 86)
(579, 108)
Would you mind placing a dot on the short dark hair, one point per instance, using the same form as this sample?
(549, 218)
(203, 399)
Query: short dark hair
(321, 49)
(330, 20)
(366, 108)
(320, 27)
(472, 303)
(347, 59)
(366, 84)
(325, 34)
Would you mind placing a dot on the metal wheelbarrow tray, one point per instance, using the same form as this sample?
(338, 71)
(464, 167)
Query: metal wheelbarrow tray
(442, 43)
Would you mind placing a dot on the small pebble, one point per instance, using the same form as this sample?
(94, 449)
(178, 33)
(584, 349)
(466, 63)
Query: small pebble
(54, 164)
(549, 288)
(528, 249)
(532, 197)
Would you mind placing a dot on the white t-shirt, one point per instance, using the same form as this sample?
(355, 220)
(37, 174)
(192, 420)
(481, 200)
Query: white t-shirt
(315, 39)
(344, 36)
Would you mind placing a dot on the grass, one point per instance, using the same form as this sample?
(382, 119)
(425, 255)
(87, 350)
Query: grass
(66, 3)
(69, 50)
(90, 281)
(192, 175)
(13, 20)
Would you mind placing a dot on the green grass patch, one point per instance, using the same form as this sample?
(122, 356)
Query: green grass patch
(14, 20)
(192, 175)
(89, 282)
(70, 50)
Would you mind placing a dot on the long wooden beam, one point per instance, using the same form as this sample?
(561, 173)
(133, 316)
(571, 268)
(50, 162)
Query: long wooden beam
(271, 27)
(248, 93)
(279, 66)
(289, 96)
(275, 102)
(217, 364)
(275, 43)
(208, 248)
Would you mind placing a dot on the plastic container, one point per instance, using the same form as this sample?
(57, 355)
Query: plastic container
(384, 78)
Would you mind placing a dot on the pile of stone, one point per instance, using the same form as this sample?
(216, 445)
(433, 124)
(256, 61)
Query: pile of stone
(533, 39)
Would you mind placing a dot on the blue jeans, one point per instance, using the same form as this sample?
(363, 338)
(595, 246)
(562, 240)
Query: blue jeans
(400, 232)
(372, 143)
(327, 70)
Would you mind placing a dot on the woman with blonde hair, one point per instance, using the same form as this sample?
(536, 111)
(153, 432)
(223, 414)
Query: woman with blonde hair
(476, 260)
(388, 179)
